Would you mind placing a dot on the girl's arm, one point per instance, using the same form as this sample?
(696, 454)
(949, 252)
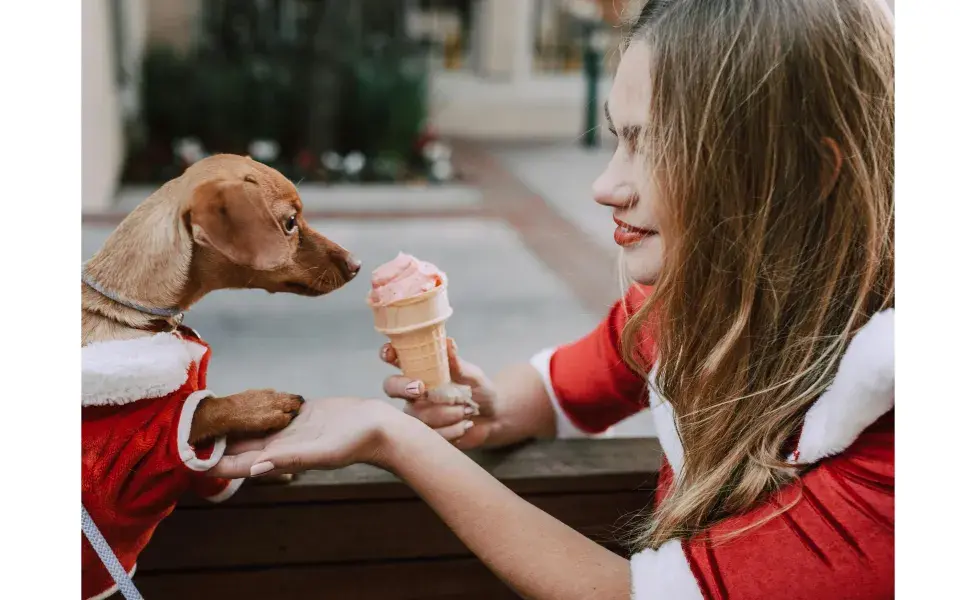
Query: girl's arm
(535, 554)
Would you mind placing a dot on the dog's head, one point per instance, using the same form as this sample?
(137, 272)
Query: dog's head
(246, 222)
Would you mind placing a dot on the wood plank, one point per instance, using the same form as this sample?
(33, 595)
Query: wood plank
(337, 532)
(457, 579)
(556, 466)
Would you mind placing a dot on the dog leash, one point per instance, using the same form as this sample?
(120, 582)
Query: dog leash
(108, 558)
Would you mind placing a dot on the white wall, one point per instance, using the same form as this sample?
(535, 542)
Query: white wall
(103, 104)
(101, 123)
(544, 107)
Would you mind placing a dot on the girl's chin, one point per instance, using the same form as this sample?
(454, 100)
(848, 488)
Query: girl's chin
(645, 270)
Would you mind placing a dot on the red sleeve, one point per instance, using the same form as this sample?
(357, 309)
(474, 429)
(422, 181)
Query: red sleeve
(138, 445)
(835, 538)
(214, 489)
(590, 379)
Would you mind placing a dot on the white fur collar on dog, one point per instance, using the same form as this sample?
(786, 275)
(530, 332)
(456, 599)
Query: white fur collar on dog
(862, 391)
(124, 371)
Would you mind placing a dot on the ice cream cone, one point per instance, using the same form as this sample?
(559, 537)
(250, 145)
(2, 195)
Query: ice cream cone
(415, 326)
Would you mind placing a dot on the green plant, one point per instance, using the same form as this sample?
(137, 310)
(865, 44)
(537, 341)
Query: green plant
(341, 78)
(386, 107)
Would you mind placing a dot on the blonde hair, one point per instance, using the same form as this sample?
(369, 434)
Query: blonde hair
(776, 254)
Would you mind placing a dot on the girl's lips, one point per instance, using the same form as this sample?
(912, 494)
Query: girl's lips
(628, 235)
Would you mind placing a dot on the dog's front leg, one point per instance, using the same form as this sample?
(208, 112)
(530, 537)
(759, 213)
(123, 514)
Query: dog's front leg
(245, 414)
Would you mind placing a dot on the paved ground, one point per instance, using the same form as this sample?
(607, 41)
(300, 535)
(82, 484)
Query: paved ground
(527, 254)
(563, 175)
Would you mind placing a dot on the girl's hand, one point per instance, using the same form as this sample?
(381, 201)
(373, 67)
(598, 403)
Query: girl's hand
(329, 433)
(468, 426)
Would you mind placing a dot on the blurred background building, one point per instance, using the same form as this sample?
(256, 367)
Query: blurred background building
(498, 70)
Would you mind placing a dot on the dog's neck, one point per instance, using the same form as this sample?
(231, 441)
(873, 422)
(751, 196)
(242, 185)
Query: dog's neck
(150, 260)
(146, 261)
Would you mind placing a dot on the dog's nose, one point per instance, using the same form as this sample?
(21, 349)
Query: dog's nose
(353, 265)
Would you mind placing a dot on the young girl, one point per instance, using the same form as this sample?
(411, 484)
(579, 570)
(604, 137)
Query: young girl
(752, 186)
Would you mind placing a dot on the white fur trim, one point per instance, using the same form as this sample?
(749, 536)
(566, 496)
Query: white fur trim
(663, 574)
(107, 593)
(565, 428)
(232, 486)
(862, 391)
(124, 371)
(187, 452)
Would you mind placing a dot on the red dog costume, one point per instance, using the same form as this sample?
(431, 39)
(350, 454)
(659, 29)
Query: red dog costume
(837, 538)
(138, 400)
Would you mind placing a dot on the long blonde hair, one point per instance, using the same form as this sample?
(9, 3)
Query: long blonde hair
(775, 254)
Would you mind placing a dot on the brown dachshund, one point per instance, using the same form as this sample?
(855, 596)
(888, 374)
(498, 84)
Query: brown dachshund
(151, 430)
(227, 222)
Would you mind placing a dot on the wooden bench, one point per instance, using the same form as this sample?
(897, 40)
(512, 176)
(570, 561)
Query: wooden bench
(360, 533)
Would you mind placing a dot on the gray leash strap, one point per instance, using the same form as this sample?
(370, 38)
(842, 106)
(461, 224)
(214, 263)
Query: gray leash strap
(108, 558)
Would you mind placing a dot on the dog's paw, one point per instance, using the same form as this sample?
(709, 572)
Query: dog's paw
(267, 410)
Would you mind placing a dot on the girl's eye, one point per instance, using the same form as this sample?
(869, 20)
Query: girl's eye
(291, 224)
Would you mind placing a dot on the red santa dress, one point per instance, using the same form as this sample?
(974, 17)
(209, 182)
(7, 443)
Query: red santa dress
(138, 400)
(836, 539)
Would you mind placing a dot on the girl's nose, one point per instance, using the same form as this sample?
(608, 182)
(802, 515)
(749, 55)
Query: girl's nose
(609, 191)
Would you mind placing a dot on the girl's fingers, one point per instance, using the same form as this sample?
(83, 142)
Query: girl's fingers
(282, 461)
(453, 433)
(399, 386)
(453, 362)
(389, 355)
(437, 416)
(461, 371)
(235, 466)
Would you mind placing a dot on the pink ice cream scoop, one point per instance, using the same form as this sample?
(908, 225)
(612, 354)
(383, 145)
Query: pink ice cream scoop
(403, 277)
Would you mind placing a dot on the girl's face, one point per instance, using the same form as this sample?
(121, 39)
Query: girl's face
(627, 185)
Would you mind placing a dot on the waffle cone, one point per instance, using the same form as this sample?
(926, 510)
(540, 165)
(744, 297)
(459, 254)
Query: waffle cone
(416, 330)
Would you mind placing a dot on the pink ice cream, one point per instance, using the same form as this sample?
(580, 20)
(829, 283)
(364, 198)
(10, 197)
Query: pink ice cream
(403, 277)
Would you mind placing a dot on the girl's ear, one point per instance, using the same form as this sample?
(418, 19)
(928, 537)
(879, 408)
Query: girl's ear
(833, 163)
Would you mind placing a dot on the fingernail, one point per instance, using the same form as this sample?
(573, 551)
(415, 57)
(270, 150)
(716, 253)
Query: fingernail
(385, 353)
(414, 389)
(468, 425)
(261, 468)
(469, 410)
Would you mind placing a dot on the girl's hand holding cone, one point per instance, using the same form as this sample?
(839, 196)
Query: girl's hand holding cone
(467, 423)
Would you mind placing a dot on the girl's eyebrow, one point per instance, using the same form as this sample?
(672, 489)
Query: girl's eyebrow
(630, 133)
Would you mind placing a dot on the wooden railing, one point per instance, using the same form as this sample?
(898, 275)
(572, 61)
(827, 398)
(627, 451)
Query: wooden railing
(360, 533)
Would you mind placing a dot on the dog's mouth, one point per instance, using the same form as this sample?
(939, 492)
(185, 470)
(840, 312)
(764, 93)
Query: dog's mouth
(327, 282)
(304, 290)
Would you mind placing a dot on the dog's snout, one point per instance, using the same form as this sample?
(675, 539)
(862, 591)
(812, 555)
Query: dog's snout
(353, 265)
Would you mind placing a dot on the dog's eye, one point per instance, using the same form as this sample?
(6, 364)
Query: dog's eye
(291, 224)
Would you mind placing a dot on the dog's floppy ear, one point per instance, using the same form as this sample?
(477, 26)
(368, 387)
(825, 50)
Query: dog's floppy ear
(232, 218)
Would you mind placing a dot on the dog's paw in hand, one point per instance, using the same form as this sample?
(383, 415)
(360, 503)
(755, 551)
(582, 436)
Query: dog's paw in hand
(261, 411)
(244, 415)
